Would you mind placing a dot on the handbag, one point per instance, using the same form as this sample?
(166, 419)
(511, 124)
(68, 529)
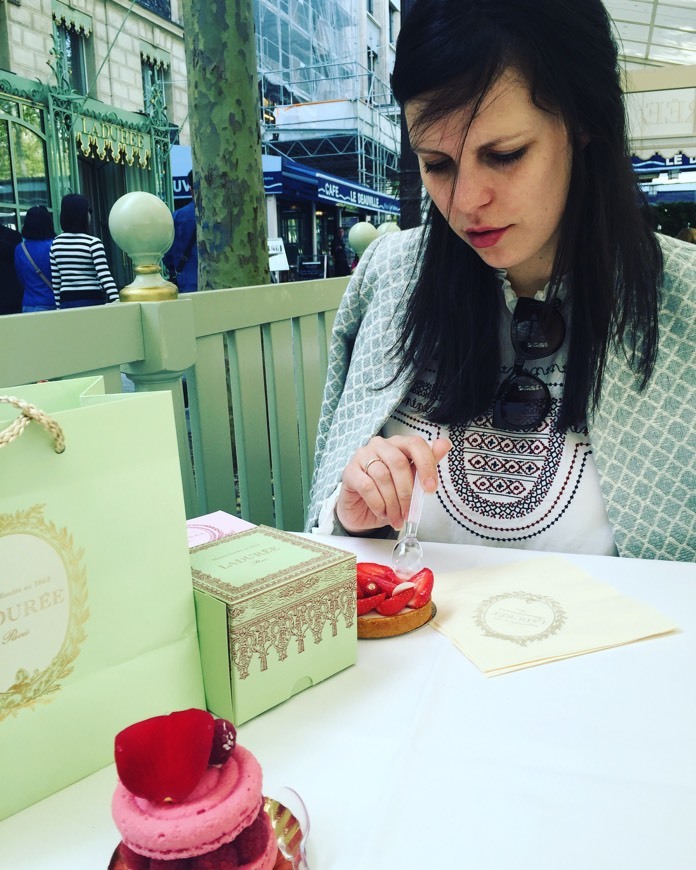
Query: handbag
(36, 268)
(97, 620)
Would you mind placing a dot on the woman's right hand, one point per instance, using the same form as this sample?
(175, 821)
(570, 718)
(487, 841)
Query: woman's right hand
(378, 481)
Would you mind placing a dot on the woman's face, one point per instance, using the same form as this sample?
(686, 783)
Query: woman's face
(505, 188)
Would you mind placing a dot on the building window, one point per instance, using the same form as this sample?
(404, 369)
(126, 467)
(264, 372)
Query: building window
(393, 24)
(71, 54)
(371, 6)
(372, 61)
(23, 159)
(4, 38)
(161, 7)
(154, 92)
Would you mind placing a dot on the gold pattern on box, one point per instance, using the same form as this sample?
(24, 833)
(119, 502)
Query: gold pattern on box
(272, 587)
(299, 622)
(293, 605)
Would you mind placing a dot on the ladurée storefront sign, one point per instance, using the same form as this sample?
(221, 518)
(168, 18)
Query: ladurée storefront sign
(110, 139)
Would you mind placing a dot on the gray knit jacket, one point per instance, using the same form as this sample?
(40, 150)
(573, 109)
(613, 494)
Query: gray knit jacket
(643, 441)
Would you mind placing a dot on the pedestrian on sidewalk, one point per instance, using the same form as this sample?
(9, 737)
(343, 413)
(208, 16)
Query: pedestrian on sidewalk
(32, 258)
(81, 275)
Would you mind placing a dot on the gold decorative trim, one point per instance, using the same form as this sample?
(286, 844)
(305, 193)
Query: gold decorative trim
(515, 603)
(320, 558)
(292, 605)
(302, 622)
(118, 152)
(71, 19)
(30, 689)
(156, 57)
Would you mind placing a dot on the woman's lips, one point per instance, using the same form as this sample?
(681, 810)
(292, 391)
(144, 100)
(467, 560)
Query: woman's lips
(485, 237)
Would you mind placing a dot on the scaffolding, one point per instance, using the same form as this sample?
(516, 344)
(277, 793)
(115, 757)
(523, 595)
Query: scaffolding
(321, 105)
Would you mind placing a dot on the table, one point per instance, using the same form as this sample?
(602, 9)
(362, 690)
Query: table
(414, 759)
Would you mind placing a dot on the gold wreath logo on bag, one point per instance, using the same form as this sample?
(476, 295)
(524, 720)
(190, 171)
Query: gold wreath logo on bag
(43, 608)
(43, 593)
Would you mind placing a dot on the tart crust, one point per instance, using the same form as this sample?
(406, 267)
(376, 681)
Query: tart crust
(372, 625)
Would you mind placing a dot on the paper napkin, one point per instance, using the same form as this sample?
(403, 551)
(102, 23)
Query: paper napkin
(514, 616)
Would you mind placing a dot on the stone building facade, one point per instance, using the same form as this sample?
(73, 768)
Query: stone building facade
(92, 93)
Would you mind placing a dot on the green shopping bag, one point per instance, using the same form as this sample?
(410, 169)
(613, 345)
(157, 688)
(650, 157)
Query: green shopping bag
(97, 621)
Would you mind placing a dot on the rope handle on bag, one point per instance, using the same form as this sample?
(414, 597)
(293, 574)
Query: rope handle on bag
(30, 412)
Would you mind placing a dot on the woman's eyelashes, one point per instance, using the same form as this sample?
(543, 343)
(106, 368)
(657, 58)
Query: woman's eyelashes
(437, 166)
(505, 158)
(497, 158)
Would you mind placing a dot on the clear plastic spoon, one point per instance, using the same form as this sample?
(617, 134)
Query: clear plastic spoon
(407, 556)
(290, 821)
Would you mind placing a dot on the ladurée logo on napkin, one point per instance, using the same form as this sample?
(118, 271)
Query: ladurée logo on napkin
(43, 608)
(520, 617)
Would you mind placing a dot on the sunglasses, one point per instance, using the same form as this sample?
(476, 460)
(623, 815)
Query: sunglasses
(523, 400)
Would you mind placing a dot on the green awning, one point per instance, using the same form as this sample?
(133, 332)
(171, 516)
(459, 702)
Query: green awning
(158, 57)
(71, 18)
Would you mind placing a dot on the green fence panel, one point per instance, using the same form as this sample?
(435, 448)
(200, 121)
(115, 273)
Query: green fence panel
(246, 437)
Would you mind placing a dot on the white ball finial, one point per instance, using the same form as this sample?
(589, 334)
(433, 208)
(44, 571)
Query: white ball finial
(142, 225)
(360, 236)
(388, 227)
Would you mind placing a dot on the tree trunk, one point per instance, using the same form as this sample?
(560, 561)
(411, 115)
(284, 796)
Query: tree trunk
(225, 143)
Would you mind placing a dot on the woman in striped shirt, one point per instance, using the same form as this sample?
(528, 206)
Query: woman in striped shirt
(79, 268)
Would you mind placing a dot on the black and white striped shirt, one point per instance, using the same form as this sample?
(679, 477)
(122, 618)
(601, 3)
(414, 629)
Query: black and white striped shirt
(80, 271)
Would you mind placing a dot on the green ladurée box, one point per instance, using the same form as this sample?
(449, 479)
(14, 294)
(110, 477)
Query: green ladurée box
(276, 613)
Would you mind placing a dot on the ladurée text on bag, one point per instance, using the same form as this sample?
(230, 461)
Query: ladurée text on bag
(32, 605)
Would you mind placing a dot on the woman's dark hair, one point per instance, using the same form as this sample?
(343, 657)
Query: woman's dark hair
(38, 223)
(449, 54)
(74, 213)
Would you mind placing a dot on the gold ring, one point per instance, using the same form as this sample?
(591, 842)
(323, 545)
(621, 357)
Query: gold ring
(368, 464)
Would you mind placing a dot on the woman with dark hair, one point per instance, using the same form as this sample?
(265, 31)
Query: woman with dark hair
(32, 260)
(81, 273)
(10, 286)
(540, 339)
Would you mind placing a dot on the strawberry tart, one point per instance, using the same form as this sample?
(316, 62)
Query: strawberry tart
(388, 606)
(189, 798)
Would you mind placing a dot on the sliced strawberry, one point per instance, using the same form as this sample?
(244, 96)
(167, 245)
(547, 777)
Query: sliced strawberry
(225, 857)
(358, 591)
(374, 570)
(163, 759)
(402, 587)
(424, 581)
(382, 575)
(394, 604)
(253, 840)
(131, 860)
(368, 587)
(365, 605)
(173, 864)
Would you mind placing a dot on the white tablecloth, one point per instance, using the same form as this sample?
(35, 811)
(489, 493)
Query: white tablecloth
(414, 759)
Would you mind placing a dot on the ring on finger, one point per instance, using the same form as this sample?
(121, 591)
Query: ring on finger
(369, 463)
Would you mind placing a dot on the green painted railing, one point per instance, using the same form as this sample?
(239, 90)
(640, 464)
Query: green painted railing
(253, 360)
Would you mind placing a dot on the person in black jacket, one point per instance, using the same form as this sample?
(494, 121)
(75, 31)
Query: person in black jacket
(10, 286)
(181, 260)
(340, 254)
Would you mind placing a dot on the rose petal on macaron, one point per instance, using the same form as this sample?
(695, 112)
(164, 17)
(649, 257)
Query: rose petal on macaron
(163, 759)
